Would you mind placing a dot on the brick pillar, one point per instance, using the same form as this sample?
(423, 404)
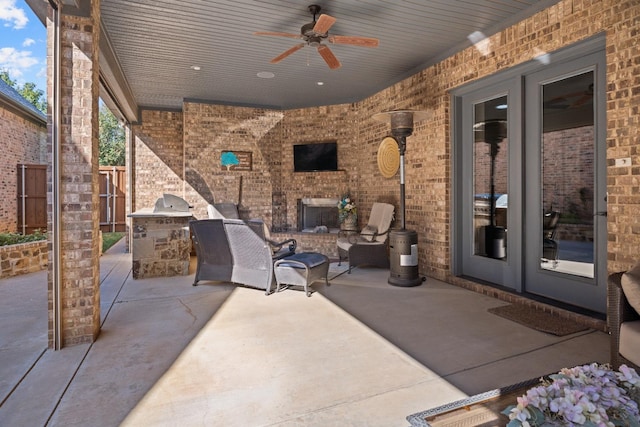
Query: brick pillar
(79, 202)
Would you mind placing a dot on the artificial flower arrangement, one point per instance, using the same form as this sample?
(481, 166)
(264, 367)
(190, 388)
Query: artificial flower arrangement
(347, 207)
(590, 395)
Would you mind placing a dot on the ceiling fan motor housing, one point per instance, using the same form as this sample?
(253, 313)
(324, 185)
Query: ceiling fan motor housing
(312, 38)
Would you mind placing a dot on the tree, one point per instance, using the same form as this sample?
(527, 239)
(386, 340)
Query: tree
(112, 139)
(29, 91)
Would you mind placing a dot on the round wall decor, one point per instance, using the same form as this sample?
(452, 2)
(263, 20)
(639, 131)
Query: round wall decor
(388, 157)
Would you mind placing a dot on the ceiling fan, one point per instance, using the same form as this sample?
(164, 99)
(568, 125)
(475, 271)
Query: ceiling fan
(571, 100)
(314, 33)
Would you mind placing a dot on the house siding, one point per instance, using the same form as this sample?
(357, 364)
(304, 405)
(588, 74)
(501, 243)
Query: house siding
(23, 141)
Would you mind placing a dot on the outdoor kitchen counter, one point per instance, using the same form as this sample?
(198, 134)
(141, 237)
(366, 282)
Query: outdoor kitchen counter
(161, 243)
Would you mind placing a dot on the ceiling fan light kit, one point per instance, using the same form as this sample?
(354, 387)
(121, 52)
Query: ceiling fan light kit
(313, 34)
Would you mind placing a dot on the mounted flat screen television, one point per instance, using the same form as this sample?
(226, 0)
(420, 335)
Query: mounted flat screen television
(315, 157)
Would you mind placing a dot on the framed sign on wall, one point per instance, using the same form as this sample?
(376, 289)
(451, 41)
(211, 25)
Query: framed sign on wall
(236, 160)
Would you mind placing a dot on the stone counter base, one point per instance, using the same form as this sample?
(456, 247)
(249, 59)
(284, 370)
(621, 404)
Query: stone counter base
(161, 247)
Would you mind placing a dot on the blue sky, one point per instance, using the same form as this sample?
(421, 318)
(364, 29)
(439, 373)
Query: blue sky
(23, 44)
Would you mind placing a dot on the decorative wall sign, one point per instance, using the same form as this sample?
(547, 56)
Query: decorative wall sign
(388, 157)
(236, 160)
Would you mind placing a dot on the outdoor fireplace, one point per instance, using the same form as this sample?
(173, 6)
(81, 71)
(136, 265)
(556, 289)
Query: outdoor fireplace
(316, 213)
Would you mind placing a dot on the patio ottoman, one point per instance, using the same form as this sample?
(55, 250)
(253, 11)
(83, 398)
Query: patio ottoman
(301, 269)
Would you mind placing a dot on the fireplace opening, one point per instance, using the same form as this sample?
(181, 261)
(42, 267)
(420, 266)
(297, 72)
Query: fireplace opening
(314, 214)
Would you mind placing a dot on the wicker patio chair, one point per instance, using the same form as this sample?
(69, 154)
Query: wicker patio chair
(214, 260)
(624, 325)
(549, 235)
(223, 211)
(281, 249)
(229, 250)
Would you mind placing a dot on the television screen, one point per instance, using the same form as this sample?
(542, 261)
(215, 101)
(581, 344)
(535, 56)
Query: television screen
(321, 156)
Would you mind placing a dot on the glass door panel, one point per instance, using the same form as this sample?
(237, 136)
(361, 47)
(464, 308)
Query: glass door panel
(489, 197)
(567, 175)
(490, 162)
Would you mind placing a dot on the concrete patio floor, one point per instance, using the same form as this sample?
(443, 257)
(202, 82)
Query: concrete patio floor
(356, 353)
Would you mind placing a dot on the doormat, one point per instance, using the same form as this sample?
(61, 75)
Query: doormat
(538, 319)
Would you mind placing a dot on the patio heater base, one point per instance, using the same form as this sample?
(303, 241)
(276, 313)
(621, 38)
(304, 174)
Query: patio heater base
(403, 258)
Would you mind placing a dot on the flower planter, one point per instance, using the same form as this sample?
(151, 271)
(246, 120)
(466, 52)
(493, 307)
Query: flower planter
(350, 223)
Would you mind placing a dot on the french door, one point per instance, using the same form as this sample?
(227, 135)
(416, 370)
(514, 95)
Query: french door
(565, 144)
(530, 190)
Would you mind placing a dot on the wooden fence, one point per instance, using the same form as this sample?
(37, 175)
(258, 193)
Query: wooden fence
(113, 182)
(32, 198)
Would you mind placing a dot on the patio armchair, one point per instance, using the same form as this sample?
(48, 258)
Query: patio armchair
(279, 250)
(623, 319)
(223, 211)
(370, 247)
(228, 250)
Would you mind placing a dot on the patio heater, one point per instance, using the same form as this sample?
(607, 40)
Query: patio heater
(403, 243)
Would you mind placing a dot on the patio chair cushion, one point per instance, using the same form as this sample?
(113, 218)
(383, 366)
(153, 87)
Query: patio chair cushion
(369, 232)
(630, 283)
(630, 341)
(381, 217)
(310, 259)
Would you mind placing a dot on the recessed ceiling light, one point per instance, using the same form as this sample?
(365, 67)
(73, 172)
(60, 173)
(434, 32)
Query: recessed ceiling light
(320, 83)
(501, 107)
(266, 75)
(195, 67)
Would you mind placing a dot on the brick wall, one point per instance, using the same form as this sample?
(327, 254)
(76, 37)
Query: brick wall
(23, 141)
(159, 157)
(211, 129)
(428, 158)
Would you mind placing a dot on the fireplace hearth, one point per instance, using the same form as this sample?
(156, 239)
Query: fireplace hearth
(318, 215)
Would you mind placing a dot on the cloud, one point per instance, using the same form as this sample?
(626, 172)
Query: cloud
(28, 42)
(15, 62)
(14, 16)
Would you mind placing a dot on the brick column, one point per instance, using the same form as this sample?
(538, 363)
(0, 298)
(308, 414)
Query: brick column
(79, 202)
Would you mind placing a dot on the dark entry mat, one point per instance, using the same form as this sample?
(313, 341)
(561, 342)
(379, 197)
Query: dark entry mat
(538, 319)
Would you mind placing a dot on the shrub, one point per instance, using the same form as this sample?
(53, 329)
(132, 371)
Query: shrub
(15, 238)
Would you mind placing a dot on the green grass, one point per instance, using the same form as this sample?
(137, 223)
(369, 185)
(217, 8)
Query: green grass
(110, 239)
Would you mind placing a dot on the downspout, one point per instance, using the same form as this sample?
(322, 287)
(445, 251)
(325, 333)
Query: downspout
(56, 274)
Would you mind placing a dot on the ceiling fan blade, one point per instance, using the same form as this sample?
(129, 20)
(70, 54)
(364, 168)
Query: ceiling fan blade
(356, 41)
(329, 57)
(323, 24)
(272, 33)
(287, 53)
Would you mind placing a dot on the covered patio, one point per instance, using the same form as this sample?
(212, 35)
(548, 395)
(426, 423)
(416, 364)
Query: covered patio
(159, 351)
(358, 352)
(182, 116)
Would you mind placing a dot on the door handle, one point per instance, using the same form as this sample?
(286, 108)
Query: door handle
(601, 213)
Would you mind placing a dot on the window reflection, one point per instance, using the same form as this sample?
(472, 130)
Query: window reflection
(490, 177)
(568, 180)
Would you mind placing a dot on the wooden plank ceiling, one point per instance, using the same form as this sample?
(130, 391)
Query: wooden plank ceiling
(157, 42)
